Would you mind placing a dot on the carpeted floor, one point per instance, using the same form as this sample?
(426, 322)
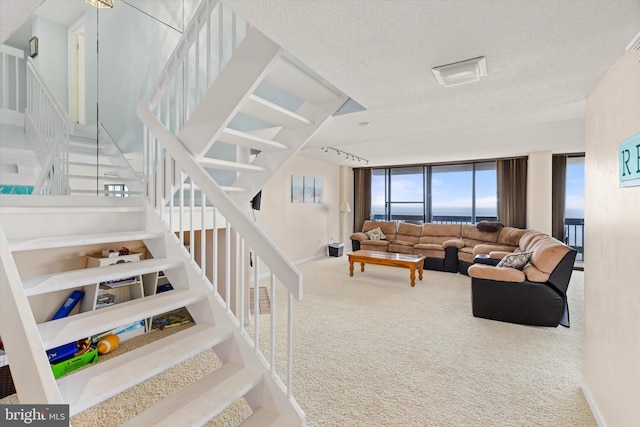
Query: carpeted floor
(372, 351)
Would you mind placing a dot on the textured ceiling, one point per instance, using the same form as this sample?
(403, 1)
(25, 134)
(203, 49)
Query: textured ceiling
(543, 57)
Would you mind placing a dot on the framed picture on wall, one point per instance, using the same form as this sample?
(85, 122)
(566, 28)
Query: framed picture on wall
(318, 190)
(309, 185)
(297, 183)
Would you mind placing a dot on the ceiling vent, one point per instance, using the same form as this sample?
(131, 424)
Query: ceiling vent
(462, 72)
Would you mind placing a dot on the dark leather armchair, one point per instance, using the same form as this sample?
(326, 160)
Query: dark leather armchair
(534, 296)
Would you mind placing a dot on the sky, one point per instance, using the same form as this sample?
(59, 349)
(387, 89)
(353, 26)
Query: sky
(452, 191)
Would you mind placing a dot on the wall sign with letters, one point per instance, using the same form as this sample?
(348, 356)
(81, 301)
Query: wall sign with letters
(629, 154)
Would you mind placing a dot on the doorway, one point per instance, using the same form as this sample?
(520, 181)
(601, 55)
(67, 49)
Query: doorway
(77, 72)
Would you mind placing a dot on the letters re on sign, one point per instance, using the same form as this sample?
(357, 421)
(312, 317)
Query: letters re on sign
(629, 154)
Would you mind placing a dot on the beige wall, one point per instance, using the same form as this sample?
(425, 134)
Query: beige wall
(611, 351)
(539, 185)
(301, 230)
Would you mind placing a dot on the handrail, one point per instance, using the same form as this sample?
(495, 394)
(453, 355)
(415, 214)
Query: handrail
(178, 94)
(280, 265)
(61, 112)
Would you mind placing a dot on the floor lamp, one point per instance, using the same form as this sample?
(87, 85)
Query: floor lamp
(344, 209)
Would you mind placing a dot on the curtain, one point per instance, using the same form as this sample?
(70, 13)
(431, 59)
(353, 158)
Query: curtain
(512, 192)
(558, 195)
(361, 197)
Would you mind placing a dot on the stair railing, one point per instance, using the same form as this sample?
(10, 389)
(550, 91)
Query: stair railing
(166, 157)
(47, 126)
(207, 44)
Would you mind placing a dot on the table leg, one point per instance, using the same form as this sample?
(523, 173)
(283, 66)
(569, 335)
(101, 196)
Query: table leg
(362, 267)
(350, 268)
(413, 275)
(420, 268)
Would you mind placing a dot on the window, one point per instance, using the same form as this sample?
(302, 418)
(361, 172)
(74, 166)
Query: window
(574, 206)
(458, 193)
(406, 195)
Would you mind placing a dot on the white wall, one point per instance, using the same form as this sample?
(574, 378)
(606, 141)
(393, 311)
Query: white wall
(539, 185)
(52, 56)
(611, 350)
(301, 230)
(133, 50)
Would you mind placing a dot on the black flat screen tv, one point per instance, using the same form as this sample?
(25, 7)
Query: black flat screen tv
(255, 202)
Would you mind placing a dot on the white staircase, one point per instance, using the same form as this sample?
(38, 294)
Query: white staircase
(55, 227)
(258, 100)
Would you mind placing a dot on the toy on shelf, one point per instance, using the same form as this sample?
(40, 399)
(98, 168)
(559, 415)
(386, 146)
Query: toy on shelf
(108, 343)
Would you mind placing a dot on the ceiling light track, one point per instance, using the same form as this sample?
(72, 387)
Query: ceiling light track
(347, 156)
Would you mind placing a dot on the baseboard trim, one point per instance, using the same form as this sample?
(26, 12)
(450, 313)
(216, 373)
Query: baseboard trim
(306, 260)
(592, 405)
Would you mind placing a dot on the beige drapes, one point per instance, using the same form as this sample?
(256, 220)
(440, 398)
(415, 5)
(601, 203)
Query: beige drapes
(361, 197)
(558, 195)
(512, 192)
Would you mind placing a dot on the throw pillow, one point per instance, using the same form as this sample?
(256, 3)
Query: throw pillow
(489, 226)
(517, 261)
(376, 234)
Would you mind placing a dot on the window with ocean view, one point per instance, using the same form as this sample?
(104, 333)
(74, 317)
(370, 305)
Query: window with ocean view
(574, 206)
(458, 193)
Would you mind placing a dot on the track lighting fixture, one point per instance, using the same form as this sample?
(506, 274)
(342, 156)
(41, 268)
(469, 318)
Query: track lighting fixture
(348, 156)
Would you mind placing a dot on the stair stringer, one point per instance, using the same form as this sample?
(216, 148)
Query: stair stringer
(31, 371)
(239, 350)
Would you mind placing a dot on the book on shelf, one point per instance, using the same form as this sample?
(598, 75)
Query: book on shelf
(119, 282)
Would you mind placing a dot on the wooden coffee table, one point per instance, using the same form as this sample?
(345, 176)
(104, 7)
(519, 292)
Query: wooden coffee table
(412, 262)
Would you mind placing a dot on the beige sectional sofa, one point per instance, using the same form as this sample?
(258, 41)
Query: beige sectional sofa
(531, 293)
(446, 247)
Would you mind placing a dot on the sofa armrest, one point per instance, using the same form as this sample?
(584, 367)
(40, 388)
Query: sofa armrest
(501, 274)
(458, 243)
(359, 236)
(498, 254)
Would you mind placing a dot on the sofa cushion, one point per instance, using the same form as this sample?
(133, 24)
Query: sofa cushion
(547, 254)
(374, 245)
(528, 239)
(535, 275)
(387, 227)
(401, 247)
(471, 236)
(376, 234)
(487, 248)
(516, 260)
(429, 253)
(501, 274)
(511, 236)
(441, 230)
(409, 233)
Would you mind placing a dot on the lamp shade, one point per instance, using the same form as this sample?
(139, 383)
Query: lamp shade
(345, 207)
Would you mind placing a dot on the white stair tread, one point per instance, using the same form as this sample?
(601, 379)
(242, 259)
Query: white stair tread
(294, 80)
(247, 140)
(101, 165)
(82, 149)
(103, 178)
(228, 165)
(102, 192)
(82, 239)
(68, 329)
(199, 402)
(272, 113)
(71, 279)
(262, 418)
(106, 379)
(230, 189)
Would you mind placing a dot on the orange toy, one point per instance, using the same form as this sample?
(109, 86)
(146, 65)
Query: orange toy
(108, 343)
